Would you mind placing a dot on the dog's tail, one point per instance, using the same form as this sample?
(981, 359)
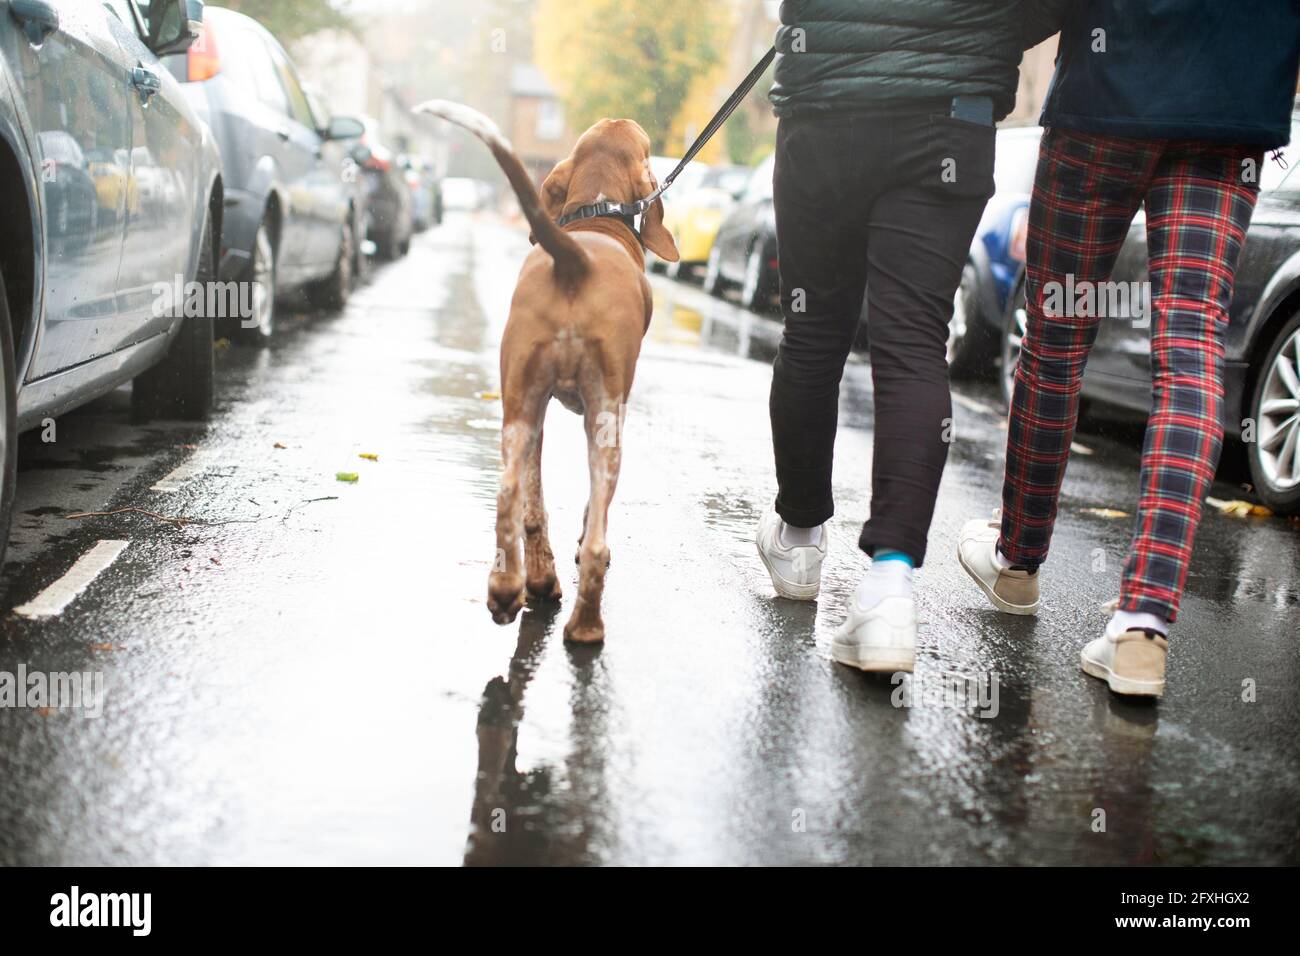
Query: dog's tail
(571, 263)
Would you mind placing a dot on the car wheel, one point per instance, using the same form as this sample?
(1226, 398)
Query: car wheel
(753, 291)
(258, 328)
(966, 339)
(1013, 339)
(1275, 408)
(713, 273)
(8, 422)
(332, 293)
(183, 383)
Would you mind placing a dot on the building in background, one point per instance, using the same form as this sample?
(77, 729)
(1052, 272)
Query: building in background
(340, 68)
(537, 126)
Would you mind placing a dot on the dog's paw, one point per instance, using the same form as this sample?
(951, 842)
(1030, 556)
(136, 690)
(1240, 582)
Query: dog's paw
(505, 597)
(584, 633)
(545, 588)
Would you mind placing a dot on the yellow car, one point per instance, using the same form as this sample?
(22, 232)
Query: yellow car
(695, 217)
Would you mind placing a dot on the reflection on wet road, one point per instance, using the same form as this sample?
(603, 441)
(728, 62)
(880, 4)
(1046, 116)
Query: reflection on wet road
(306, 672)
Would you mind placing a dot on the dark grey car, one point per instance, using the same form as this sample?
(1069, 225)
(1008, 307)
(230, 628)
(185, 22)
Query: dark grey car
(291, 220)
(110, 199)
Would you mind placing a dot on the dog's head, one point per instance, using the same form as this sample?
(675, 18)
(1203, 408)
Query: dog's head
(611, 161)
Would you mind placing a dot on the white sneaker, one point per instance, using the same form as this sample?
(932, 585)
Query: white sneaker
(1132, 664)
(796, 572)
(1012, 592)
(882, 640)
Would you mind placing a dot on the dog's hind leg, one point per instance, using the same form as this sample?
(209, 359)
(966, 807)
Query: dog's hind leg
(604, 457)
(539, 561)
(520, 435)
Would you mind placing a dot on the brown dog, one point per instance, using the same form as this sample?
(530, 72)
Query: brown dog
(580, 310)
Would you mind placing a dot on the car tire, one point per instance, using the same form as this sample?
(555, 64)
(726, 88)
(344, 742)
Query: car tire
(754, 294)
(1274, 454)
(332, 292)
(8, 422)
(968, 342)
(259, 328)
(183, 384)
(713, 283)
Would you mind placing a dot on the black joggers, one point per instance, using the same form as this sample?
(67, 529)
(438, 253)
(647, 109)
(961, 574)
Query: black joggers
(889, 204)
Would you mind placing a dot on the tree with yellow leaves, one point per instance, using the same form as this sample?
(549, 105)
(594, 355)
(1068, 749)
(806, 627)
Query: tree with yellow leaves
(621, 58)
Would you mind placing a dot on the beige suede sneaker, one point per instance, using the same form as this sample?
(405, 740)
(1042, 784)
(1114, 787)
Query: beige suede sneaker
(1132, 664)
(1012, 592)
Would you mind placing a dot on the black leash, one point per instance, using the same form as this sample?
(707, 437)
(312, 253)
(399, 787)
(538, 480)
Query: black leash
(629, 211)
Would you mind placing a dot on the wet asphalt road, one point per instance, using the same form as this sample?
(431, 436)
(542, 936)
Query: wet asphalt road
(307, 673)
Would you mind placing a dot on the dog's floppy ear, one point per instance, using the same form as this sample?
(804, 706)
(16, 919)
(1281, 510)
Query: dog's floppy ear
(555, 191)
(656, 238)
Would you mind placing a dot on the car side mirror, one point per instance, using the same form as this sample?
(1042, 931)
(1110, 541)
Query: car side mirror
(174, 25)
(345, 127)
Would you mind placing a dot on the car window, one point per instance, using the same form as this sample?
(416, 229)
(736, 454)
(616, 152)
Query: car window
(299, 108)
(760, 187)
(122, 10)
(261, 70)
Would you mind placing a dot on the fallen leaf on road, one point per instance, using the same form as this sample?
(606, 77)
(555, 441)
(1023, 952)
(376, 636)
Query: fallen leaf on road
(351, 477)
(1239, 509)
(102, 647)
(368, 457)
(216, 561)
(281, 446)
(489, 396)
(1105, 513)
(221, 344)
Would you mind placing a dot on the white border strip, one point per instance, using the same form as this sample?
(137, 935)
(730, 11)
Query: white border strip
(55, 599)
(177, 478)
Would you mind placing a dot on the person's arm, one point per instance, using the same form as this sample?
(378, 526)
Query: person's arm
(1041, 19)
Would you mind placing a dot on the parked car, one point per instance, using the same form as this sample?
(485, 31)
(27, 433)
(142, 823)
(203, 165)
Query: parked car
(426, 196)
(111, 198)
(290, 221)
(695, 216)
(996, 255)
(1261, 340)
(744, 252)
(390, 220)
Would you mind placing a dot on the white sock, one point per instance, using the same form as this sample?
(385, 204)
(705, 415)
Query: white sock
(1000, 559)
(1123, 621)
(792, 537)
(884, 579)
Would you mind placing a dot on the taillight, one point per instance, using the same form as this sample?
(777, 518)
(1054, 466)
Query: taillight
(204, 59)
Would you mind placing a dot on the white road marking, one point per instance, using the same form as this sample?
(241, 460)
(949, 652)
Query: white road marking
(184, 472)
(55, 599)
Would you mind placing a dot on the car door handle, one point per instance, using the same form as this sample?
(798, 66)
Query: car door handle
(146, 82)
(38, 18)
(283, 133)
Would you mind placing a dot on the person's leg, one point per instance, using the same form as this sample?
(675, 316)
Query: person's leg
(818, 185)
(919, 240)
(1198, 211)
(1086, 191)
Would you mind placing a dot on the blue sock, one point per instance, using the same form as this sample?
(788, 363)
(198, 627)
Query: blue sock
(894, 556)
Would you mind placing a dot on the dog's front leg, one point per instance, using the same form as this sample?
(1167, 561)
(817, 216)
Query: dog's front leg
(506, 583)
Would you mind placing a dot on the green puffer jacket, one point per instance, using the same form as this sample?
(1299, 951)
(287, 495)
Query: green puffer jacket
(857, 55)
